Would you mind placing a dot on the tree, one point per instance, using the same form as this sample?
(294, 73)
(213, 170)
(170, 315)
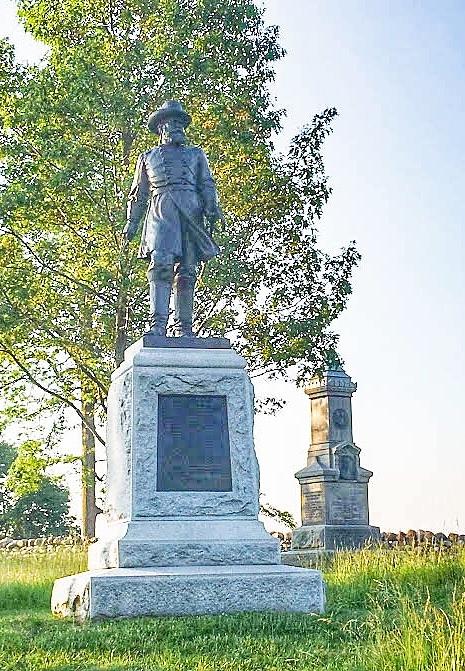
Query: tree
(72, 293)
(32, 504)
(7, 455)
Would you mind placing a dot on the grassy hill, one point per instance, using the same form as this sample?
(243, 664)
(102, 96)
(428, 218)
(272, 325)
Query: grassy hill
(387, 610)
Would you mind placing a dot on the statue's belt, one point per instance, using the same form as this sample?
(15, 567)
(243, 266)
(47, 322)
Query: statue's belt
(157, 190)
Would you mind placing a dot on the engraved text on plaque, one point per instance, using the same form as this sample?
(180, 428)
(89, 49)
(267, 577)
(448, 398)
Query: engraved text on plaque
(193, 444)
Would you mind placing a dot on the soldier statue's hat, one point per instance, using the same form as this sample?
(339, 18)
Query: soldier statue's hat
(170, 109)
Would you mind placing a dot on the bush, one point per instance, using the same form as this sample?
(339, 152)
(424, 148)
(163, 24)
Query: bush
(44, 511)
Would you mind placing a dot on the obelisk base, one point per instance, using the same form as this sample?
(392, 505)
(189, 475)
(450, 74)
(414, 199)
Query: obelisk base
(313, 541)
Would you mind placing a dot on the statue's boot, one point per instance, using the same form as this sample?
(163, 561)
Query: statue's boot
(183, 305)
(160, 281)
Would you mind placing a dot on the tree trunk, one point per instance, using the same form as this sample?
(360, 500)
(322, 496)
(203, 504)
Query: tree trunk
(121, 328)
(89, 506)
(121, 321)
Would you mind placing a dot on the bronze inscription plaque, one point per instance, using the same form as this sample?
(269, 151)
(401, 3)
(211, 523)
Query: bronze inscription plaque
(193, 444)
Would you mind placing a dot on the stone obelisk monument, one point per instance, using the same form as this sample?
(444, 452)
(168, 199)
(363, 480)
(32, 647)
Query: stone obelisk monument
(334, 487)
(180, 532)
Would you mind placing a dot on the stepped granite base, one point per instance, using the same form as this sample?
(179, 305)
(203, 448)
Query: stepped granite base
(188, 590)
(186, 542)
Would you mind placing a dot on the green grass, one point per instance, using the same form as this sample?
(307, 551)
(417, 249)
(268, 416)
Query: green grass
(26, 576)
(387, 610)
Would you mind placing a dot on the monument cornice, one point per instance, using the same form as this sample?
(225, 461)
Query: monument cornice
(333, 382)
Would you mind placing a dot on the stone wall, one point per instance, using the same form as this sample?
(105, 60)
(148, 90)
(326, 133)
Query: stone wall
(415, 537)
(46, 542)
(389, 539)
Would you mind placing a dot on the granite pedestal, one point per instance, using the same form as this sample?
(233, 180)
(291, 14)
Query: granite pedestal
(180, 531)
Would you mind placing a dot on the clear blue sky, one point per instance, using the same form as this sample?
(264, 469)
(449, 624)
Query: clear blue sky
(395, 71)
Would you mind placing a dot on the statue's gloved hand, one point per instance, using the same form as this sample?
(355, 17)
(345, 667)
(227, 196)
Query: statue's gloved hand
(211, 224)
(130, 230)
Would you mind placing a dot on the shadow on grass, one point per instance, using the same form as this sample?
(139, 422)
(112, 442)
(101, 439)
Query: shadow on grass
(93, 667)
(33, 596)
(223, 642)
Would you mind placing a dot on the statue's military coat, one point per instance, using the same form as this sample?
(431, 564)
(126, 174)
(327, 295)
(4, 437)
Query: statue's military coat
(174, 187)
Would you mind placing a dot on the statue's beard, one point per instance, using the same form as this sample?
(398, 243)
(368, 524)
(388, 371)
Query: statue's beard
(177, 137)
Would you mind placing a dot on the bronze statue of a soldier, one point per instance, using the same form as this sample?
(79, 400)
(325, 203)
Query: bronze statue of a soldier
(174, 189)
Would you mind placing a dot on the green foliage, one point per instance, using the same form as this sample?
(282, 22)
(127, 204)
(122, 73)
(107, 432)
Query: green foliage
(27, 472)
(32, 504)
(387, 610)
(42, 513)
(72, 295)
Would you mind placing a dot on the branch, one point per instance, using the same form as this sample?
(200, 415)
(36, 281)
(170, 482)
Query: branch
(214, 305)
(59, 334)
(66, 223)
(45, 265)
(263, 370)
(55, 394)
(13, 382)
(35, 151)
